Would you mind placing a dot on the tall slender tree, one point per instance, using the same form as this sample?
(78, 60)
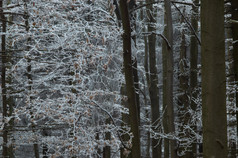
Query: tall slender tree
(213, 79)
(193, 66)
(5, 152)
(130, 88)
(153, 77)
(234, 27)
(169, 114)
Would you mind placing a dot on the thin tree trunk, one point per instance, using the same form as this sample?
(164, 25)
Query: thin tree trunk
(165, 114)
(193, 67)
(125, 122)
(107, 149)
(136, 82)
(213, 79)
(234, 12)
(3, 75)
(183, 99)
(153, 84)
(169, 77)
(146, 66)
(130, 88)
(29, 76)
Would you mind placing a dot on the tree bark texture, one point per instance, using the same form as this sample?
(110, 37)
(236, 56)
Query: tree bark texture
(213, 79)
(3, 76)
(169, 77)
(183, 97)
(130, 88)
(153, 84)
(234, 27)
(193, 66)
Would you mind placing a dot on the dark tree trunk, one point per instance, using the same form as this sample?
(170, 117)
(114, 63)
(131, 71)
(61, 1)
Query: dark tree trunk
(213, 79)
(153, 83)
(169, 77)
(234, 27)
(3, 75)
(193, 66)
(130, 88)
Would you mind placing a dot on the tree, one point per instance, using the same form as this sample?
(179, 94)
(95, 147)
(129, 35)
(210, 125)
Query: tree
(130, 88)
(193, 66)
(153, 81)
(3, 82)
(213, 79)
(168, 51)
(234, 28)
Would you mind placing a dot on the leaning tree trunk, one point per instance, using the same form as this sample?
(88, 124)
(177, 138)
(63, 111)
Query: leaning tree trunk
(213, 79)
(130, 88)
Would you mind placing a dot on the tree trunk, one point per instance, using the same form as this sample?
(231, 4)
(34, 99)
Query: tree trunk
(3, 75)
(234, 27)
(136, 82)
(183, 99)
(125, 122)
(130, 88)
(29, 77)
(193, 67)
(107, 149)
(153, 84)
(147, 78)
(169, 77)
(213, 79)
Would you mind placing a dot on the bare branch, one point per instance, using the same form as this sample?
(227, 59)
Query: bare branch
(144, 5)
(191, 27)
(164, 38)
(12, 22)
(110, 116)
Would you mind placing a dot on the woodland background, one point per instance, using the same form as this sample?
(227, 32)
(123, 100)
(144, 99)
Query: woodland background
(119, 78)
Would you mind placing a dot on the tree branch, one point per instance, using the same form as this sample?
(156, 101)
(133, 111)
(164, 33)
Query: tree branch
(164, 38)
(191, 27)
(110, 116)
(144, 5)
(12, 22)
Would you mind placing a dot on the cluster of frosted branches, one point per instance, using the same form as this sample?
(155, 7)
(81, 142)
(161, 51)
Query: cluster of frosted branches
(69, 68)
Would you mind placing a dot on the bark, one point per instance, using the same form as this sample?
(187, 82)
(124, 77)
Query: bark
(147, 78)
(234, 27)
(213, 79)
(153, 84)
(107, 149)
(183, 99)
(29, 77)
(45, 146)
(136, 83)
(231, 88)
(3, 76)
(193, 66)
(169, 77)
(165, 115)
(125, 122)
(130, 88)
